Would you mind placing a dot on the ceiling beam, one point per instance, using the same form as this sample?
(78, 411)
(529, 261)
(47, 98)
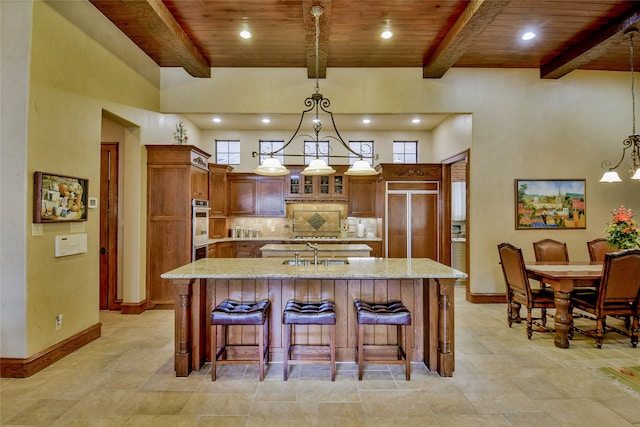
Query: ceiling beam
(474, 18)
(589, 49)
(156, 19)
(310, 38)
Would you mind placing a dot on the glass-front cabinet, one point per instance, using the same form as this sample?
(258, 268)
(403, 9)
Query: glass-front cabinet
(323, 186)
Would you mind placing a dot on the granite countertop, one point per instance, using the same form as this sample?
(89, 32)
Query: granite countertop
(273, 268)
(322, 247)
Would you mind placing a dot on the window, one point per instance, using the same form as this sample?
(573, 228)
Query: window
(227, 152)
(270, 147)
(405, 151)
(310, 151)
(363, 147)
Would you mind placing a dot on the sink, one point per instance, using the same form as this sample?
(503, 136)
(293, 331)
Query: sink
(322, 261)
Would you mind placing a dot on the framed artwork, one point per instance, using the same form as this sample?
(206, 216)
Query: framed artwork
(58, 198)
(550, 203)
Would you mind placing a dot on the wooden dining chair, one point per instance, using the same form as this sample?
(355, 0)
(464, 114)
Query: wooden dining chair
(617, 295)
(519, 291)
(597, 248)
(549, 250)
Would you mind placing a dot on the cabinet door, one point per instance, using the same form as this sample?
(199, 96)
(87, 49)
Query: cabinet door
(270, 196)
(294, 188)
(242, 196)
(199, 184)
(217, 228)
(397, 226)
(362, 196)
(424, 226)
(218, 191)
(225, 250)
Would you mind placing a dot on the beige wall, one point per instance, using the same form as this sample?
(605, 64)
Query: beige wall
(523, 127)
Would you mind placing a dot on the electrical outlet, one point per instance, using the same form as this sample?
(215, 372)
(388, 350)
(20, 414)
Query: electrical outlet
(59, 318)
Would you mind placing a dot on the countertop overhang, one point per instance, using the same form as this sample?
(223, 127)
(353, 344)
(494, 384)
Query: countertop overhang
(273, 268)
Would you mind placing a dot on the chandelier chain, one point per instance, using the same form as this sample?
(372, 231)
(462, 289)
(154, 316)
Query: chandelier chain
(633, 92)
(316, 15)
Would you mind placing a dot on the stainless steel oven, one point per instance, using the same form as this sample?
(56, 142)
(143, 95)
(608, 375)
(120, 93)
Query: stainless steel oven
(200, 227)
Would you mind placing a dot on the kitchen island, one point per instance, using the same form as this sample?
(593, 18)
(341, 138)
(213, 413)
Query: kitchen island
(424, 286)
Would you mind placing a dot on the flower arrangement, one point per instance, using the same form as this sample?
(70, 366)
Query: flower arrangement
(180, 135)
(623, 231)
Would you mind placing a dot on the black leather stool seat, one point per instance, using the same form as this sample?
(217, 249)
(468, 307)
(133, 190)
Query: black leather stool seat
(392, 313)
(230, 312)
(309, 313)
(382, 313)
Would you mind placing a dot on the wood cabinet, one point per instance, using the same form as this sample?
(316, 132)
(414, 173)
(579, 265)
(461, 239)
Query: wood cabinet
(218, 189)
(362, 196)
(412, 214)
(254, 195)
(218, 228)
(221, 250)
(242, 195)
(324, 187)
(175, 175)
(251, 248)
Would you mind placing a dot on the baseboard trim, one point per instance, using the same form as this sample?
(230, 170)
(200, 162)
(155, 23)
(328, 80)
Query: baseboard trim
(486, 298)
(23, 368)
(133, 307)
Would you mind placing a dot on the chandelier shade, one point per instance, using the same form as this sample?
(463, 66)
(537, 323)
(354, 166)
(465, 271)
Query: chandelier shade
(317, 105)
(271, 167)
(632, 142)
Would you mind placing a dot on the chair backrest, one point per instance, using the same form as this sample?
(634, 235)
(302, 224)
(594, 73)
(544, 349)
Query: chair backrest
(597, 249)
(549, 250)
(513, 268)
(619, 291)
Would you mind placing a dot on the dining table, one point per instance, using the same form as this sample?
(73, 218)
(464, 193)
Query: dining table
(564, 278)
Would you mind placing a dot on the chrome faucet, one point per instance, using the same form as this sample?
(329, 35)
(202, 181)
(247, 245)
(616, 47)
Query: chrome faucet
(315, 252)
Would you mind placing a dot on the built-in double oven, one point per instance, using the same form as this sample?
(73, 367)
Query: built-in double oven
(200, 227)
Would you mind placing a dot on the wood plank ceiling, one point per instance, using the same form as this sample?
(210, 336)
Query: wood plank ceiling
(436, 35)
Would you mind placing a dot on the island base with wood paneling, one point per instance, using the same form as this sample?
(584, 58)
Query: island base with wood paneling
(429, 298)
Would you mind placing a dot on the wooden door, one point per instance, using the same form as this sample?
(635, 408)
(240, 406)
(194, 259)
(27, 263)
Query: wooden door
(424, 226)
(109, 227)
(242, 196)
(270, 196)
(397, 225)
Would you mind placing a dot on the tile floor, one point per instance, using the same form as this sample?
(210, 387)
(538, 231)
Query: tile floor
(126, 378)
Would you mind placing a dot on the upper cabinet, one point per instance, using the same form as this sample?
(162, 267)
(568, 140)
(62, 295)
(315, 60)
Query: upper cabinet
(218, 189)
(323, 188)
(362, 196)
(254, 195)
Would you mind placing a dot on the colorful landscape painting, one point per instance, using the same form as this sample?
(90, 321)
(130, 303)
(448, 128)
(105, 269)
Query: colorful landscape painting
(543, 204)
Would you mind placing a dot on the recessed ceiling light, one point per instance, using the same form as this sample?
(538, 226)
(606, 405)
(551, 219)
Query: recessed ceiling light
(529, 35)
(216, 120)
(266, 120)
(386, 34)
(245, 34)
(415, 120)
(366, 121)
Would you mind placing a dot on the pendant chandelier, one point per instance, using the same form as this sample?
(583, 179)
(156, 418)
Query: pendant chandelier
(312, 146)
(633, 141)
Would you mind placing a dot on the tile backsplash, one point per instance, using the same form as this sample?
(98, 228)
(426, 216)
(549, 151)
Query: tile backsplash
(308, 219)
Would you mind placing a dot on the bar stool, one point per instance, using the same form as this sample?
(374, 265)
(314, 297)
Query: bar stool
(308, 313)
(230, 312)
(384, 313)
